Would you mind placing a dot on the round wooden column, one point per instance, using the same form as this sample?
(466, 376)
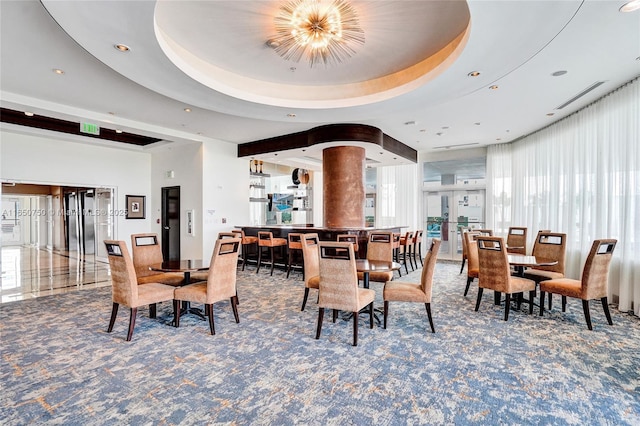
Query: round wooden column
(343, 187)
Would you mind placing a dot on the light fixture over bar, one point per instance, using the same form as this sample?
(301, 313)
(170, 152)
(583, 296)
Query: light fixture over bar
(324, 31)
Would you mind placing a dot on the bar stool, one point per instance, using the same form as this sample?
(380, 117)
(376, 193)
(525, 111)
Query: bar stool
(406, 242)
(247, 241)
(353, 239)
(295, 243)
(417, 247)
(266, 240)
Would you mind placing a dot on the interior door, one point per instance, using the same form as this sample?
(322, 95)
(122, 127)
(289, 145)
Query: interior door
(171, 223)
(104, 221)
(447, 212)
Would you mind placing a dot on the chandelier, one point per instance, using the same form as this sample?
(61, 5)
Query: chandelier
(323, 31)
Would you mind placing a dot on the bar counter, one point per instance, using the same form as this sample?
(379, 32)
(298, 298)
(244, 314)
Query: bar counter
(325, 234)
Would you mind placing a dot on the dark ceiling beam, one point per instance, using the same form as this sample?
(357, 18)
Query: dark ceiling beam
(329, 133)
(71, 127)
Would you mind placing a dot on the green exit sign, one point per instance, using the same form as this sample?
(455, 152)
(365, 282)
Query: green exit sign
(92, 129)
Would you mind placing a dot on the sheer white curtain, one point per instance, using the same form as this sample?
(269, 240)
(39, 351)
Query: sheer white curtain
(397, 194)
(580, 176)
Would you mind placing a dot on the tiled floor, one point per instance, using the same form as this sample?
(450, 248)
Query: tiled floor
(29, 272)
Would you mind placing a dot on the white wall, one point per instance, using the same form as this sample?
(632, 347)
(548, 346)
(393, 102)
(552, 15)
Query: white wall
(52, 161)
(185, 161)
(225, 192)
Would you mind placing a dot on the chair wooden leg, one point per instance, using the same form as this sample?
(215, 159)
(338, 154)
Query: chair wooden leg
(404, 259)
(564, 303)
(320, 318)
(518, 300)
(605, 307)
(176, 313)
(114, 314)
(244, 255)
(428, 306)
(290, 261)
(132, 323)
(587, 315)
(371, 315)
(542, 302)
(152, 310)
(234, 307)
(507, 306)
(304, 300)
(550, 300)
(273, 262)
(479, 298)
(335, 315)
(469, 281)
(386, 310)
(355, 329)
(208, 309)
(532, 295)
(259, 259)
(420, 254)
(462, 266)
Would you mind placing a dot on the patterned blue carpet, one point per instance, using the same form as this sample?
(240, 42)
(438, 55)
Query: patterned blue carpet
(59, 366)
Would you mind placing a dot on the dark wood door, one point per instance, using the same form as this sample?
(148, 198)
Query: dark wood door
(171, 223)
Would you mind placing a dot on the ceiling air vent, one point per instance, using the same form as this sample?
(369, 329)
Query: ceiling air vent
(581, 94)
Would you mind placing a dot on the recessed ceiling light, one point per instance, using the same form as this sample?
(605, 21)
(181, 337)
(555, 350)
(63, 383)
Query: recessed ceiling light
(304, 150)
(445, 127)
(423, 130)
(559, 73)
(494, 87)
(381, 152)
(187, 110)
(550, 114)
(292, 69)
(122, 47)
(498, 139)
(439, 133)
(474, 73)
(58, 71)
(410, 123)
(272, 43)
(118, 131)
(630, 6)
(291, 115)
(112, 113)
(395, 158)
(28, 113)
(477, 123)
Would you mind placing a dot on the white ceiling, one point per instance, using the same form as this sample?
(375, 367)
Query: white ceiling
(211, 56)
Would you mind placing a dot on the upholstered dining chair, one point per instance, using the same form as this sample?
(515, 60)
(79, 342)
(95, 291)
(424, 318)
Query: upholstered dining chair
(220, 285)
(396, 291)
(147, 251)
(473, 268)
(494, 274)
(517, 240)
(204, 276)
(548, 245)
(247, 243)
(311, 262)
(593, 284)
(379, 247)
(125, 288)
(267, 241)
(462, 230)
(339, 285)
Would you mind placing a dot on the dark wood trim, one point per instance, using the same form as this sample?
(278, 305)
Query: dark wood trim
(71, 127)
(328, 133)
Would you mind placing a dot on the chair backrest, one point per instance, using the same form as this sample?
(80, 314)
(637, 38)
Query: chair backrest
(380, 246)
(426, 280)
(468, 235)
(517, 240)
(551, 245)
(338, 276)
(294, 240)
(595, 275)
(222, 235)
(353, 239)
(408, 238)
(417, 237)
(264, 237)
(146, 251)
(221, 281)
(123, 276)
(310, 256)
(472, 252)
(494, 272)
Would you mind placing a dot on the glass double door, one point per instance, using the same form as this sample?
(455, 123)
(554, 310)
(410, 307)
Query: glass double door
(447, 212)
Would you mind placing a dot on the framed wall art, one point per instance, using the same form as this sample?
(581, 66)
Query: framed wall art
(135, 206)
